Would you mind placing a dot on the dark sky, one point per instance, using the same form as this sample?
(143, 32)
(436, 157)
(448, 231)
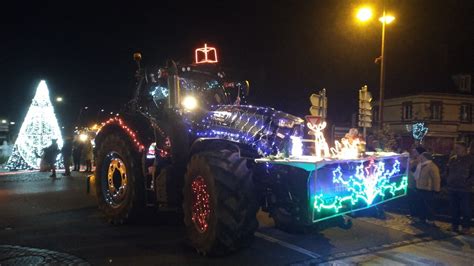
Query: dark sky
(287, 49)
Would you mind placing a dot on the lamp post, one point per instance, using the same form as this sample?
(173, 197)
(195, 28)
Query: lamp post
(365, 14)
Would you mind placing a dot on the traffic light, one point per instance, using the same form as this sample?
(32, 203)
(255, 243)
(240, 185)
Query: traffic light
(365, 108)
(319, 104)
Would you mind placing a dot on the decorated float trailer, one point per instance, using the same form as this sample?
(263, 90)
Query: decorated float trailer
(335, 187)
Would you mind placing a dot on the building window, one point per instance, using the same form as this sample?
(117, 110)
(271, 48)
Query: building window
(407, 111)
(436, 110)
(465, 83)
(465, 113)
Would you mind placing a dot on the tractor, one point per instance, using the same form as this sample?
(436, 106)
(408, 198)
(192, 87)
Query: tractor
(187, 142)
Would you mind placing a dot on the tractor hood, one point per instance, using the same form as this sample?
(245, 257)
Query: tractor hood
(266, 130)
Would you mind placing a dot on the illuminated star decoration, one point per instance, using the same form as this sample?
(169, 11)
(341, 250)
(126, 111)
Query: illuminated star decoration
(366, 184)
(419, 131)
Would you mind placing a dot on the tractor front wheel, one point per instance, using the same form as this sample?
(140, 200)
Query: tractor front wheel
(119, 191)
(219, 202)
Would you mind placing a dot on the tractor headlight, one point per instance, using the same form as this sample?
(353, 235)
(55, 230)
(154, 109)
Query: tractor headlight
(189, 103)
(83, 137)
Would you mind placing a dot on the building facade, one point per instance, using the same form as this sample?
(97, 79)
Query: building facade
(449, 117)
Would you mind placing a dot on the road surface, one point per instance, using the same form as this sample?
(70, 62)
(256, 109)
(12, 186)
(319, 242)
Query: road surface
(43, 221)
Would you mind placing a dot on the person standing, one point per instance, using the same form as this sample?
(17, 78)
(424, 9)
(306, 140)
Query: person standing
(460, 180)
(428, 182)
(87, 154)
(50, 154)
(67, 152)
(76, 155)
(411, 190)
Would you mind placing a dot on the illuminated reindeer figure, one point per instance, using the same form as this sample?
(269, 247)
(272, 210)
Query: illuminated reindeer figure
(320, 143)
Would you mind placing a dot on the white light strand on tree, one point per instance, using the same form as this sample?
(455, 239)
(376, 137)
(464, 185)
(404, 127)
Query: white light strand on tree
(38, 129)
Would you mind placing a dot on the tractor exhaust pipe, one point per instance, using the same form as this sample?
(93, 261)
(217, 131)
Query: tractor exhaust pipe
(173, 85)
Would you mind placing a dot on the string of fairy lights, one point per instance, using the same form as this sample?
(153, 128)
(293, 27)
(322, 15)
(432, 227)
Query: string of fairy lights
(363, 186)
(201, 208)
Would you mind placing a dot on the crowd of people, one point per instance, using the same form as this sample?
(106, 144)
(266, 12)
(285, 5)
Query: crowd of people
(425, 182)
(73, 151)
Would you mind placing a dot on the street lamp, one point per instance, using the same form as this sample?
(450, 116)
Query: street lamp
(59, 99)
(364, 14)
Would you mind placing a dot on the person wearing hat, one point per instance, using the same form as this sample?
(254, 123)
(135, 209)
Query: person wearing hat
(460, 182)
(428, 182)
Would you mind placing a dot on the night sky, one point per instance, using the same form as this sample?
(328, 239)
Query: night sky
(286, 49)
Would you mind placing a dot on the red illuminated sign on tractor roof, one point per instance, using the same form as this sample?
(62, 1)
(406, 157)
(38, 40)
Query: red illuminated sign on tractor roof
(206, 55)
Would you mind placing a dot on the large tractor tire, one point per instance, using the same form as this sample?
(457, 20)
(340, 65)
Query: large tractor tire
(119, 185)
(219, 204)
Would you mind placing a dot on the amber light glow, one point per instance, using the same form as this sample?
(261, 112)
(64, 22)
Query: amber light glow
(206, 55)
(387, 19)
(364, 14)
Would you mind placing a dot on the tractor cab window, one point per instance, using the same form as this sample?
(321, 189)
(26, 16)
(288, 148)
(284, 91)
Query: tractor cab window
(210, 91)
(159, 92)
(157, 87)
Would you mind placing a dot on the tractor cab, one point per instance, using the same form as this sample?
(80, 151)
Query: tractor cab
(191, 87)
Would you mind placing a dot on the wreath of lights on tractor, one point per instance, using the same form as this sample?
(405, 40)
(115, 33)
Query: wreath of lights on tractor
(201, 206)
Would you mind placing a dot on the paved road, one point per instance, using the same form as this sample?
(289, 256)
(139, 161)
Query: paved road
(38, 214)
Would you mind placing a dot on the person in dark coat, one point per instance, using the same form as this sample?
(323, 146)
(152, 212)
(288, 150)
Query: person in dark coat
(460, 181)
(76, 155)
(411, 191)
(50, 154)
(87, 155)
(67, 152)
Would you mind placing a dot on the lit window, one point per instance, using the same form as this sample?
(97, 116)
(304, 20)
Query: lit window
(465, 112)
(436, 110)
(407, 111)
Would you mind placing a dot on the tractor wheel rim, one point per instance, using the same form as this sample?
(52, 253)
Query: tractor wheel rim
(115, 189)
(201, 206)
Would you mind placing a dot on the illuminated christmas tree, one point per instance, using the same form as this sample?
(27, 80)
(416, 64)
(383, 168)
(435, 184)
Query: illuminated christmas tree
(38, 129)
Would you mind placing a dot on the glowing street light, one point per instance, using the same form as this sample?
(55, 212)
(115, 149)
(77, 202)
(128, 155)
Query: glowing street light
(59, 99)
(364, 14)
(387, 19)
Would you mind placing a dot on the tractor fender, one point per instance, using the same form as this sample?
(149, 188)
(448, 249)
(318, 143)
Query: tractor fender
(117, 125)
(203, 144)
